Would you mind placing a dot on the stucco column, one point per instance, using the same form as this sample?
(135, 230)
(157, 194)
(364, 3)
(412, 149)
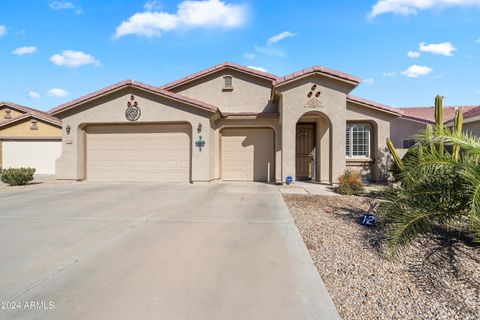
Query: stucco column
(288, 147)
(201, 159)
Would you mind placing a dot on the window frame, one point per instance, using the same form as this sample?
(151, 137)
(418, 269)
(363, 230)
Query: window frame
(349, 146)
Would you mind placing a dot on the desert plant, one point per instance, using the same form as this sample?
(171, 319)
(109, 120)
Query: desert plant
(350, 182)
(439, 187)
(17, 176)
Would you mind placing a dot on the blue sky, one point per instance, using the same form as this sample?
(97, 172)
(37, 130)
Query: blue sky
(55, 51)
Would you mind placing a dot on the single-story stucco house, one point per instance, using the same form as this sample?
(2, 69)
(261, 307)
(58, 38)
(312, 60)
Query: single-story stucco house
(29, 138)
(228, 122)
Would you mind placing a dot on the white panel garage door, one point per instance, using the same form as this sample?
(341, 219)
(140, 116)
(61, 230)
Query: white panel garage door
(40, 155)
(138, 153)
(247, 154)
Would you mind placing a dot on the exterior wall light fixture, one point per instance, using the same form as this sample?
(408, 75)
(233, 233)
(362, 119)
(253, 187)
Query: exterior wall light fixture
(67, 129)
(199, 128)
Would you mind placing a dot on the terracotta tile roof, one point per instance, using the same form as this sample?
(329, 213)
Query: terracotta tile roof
(375, 105)
(165, 93)
(427, 114)
(475, 111)
(319, 69)
(215, 68)
(29, 112)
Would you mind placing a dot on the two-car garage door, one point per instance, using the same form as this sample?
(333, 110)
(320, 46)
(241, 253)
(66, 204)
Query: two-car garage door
(138, 153)
(162, 153)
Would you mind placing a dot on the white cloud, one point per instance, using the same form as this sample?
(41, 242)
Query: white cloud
(411, 7)
(3, 30)
(64, 5)
(368, 81)
(74, 59)
(477, 41)
(34, 95)
(57, 93)
(258, 68)
(389, 74)
(24, 50)
(279, 37)
(153, 5)
(416, 71)
(270, 51)
(444, 48)
(190, 14)
(413, 54)
(249, 55)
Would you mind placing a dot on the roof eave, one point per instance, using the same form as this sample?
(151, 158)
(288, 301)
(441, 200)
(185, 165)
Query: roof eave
(214, 69)
(69, 106)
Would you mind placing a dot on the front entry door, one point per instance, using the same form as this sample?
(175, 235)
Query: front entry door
(305, 151)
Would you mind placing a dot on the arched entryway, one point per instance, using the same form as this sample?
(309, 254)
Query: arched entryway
(313, 147)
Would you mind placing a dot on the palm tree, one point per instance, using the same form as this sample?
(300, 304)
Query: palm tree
(439, 189)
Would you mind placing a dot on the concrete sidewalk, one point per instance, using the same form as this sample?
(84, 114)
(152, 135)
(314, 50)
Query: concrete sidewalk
(156, 251)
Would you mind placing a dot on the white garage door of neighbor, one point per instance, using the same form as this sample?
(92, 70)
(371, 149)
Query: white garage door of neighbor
(138, 153)
(40, 155)
(247, 154)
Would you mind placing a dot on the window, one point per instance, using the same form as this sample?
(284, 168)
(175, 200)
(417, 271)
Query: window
(407, 144)
(228, 85)
(358, 141)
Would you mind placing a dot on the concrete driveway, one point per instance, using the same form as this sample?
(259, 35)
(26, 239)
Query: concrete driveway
(155, 251)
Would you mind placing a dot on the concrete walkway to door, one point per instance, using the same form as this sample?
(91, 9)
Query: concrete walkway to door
(156, 251)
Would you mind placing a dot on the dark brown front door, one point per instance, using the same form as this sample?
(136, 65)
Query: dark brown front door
(305, 151)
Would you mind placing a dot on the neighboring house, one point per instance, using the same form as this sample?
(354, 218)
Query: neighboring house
(227, 122)
(415, 120)
(29, 138)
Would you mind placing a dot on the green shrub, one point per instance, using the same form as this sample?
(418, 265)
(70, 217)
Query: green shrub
(350, 183)
(17, 176)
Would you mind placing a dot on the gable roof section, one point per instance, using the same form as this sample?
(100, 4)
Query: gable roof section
(47, 118)
(216, 68)
(17, 107)
(135, 84)
(320, 70)
(375, 105)
(427, 114)
(28, 112)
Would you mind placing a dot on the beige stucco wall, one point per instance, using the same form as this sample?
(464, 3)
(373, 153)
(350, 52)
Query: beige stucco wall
(249, 94)
(293, 105)
(22, 129)
(377, 165)
(473, 127)
(13, 113)
(404, 129)
(111, 109)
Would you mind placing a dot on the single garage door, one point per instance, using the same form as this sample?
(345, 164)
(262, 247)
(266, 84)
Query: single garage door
(38, 154)
(247, 154)
(138, 153)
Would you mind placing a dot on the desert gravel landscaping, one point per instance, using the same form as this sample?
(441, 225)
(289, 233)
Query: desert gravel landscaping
(436, 279)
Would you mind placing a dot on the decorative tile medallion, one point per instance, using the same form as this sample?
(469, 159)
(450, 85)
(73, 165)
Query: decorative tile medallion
(313, 103)
(133, 112)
